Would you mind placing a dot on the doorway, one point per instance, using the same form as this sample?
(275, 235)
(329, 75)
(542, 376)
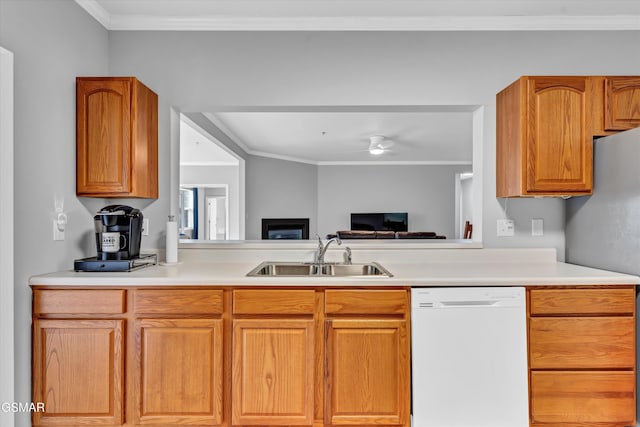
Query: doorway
(216, 226)
(463, 202)
(203, 212)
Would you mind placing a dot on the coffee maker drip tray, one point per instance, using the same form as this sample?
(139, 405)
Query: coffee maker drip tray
(96, 264)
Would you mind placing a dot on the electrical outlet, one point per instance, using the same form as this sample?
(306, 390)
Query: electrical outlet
(506, 228)
(145, 226)
(537, 227)
(57, 233)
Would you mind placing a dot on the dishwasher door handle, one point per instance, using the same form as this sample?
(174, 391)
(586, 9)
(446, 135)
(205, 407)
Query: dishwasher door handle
(476, 303)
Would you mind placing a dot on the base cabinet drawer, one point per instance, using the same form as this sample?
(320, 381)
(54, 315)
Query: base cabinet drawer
(606, 397)
(92, 302)
(583, 302)
(582, 342)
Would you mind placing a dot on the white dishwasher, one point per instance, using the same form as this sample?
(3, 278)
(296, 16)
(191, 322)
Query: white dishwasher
(469, 357)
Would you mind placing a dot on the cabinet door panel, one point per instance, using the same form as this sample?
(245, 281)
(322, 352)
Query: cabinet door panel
(104, 138)
(367, 372)
(78, 366)
(622, 102)
(558, 135)
(273, 372)
(583, 397)
(179, 371)
(581, 342)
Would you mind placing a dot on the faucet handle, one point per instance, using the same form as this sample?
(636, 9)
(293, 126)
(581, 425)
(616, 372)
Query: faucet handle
(316, 255)
(347, 255)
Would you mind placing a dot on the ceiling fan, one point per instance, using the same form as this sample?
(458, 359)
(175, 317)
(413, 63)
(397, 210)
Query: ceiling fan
(378, 144)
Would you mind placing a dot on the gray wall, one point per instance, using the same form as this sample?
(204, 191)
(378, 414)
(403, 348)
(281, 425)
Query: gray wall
(53, 41)
(426, 193)
(603, 230)
(200, 71)
(328, 194)
(279, 189)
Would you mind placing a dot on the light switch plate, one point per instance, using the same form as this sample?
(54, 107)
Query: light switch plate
(506, 228)
(145, 226)
(537, 227)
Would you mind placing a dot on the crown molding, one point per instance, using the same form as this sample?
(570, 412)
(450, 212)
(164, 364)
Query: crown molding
(210, 163)
(98, 12)
(397, 163)
(391, 23)
(361, 23)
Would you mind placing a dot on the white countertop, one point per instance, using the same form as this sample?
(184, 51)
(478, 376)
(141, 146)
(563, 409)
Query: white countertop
(474, 267)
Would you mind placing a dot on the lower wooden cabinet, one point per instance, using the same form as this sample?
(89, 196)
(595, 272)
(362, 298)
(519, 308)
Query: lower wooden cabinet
(178, 372)
(367, 357)
(582, 356)
(367, 378)
(78, 368)
(219, 356)
(273, 377)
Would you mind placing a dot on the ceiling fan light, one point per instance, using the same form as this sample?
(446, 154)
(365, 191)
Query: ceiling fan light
(375, 146)
(376, 150)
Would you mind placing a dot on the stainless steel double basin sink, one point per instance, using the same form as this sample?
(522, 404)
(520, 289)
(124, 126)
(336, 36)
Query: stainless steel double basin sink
(309, 269)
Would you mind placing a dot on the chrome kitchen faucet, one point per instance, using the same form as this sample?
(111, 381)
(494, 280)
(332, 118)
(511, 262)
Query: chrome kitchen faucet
(322, 249)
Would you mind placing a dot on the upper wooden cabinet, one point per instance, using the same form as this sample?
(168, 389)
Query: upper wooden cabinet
(116, 138)
(545, 129)
(544, 141)
(616, 103)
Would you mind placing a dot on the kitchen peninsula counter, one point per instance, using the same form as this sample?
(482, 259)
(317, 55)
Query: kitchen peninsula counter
(234, 339)
(411, 265)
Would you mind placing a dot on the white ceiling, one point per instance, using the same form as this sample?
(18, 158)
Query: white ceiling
(416, 137)
(199, 149)
(370, 15)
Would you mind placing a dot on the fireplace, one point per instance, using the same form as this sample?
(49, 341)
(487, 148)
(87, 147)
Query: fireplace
(285, 228)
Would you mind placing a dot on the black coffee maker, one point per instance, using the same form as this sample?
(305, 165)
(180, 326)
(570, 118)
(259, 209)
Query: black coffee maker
(118, 232)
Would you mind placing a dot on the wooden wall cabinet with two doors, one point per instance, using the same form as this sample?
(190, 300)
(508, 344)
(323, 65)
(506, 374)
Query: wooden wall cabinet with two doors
(219, 356)
(545, 127)
(116, 138)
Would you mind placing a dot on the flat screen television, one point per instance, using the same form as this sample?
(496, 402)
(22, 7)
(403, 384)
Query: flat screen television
(390, 221)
